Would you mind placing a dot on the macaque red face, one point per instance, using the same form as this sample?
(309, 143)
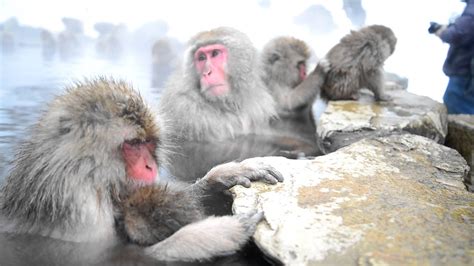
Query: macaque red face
(211, 65)
(302, 71)
(139, 161)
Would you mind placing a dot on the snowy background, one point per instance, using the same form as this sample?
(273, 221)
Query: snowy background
(418, 56)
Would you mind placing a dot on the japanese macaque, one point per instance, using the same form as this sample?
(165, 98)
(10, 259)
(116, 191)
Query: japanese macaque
(163, 62)
(89, 173)
(357, 62)
(284, 61)
(219, 94)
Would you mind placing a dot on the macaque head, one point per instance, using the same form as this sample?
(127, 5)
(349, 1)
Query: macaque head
(284, 60)
(108, 123)
(211, 66)
(222, 64)
(388, 39)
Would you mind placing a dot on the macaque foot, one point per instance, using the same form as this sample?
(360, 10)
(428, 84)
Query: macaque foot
(355, 96)
(227, 175)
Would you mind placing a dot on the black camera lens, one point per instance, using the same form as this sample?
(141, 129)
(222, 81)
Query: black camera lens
(433, 27)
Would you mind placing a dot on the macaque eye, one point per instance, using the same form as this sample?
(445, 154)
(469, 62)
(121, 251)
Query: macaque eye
(201, 57)
(273, 58)
(134, 142)
(300, 64)
(215, 52)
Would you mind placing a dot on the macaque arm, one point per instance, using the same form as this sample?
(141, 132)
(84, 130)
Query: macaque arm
(308, 89)
(211, 237)
(227, 175)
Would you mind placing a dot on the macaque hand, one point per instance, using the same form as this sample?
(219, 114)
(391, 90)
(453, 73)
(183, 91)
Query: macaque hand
(227, 175)
(249, 221)
(324, 64)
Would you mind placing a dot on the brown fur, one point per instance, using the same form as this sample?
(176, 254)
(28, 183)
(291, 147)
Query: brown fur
(357, 62)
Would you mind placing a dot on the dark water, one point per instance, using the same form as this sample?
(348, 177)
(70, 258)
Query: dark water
(28, 82)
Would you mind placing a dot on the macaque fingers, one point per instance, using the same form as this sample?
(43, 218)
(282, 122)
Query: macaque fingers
(227, 175)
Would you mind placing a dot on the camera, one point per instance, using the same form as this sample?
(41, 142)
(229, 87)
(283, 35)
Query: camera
(433, 27)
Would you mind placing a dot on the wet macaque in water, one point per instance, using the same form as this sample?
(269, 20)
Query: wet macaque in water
(219, 93)
(356, 62)
(284, 60)
(89, 173)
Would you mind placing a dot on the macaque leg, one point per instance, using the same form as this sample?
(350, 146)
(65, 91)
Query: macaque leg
(227, 175)
(375, 84)
(213, 236)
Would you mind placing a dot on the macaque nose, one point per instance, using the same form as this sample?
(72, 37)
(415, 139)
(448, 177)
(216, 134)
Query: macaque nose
(207, 70)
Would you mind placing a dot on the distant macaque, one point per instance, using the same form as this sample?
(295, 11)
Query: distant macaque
(48, 44)
(355, 12)
(284, 61)
(70, 40)
(219, 94)
(357, 62)
(163, 62)
(110, 43)
(89, 173)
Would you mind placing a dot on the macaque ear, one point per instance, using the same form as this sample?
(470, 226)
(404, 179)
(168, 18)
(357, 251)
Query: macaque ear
(273, 58)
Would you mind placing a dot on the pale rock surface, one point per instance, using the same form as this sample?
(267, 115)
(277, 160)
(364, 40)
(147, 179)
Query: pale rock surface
(393, 200)
(345, 122)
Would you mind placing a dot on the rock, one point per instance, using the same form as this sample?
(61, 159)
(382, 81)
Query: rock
(461, 138)
(345, 122)
(393, 200)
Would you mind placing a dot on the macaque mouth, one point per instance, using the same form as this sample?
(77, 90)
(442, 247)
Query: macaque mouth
(214, 86)
(216, 89)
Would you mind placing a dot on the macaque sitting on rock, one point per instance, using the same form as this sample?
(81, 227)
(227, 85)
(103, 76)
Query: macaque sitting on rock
(356, 62)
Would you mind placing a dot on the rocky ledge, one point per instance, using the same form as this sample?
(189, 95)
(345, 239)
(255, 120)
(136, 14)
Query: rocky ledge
(345, 122)
(461, 138)
(392, 200)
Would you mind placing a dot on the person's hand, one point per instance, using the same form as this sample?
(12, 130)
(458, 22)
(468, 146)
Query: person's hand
(440, 30)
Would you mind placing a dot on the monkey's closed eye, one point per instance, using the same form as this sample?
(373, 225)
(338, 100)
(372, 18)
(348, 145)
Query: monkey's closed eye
(134, 142)
(273, 58)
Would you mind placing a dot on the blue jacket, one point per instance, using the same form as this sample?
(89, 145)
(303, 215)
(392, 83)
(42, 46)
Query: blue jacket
(460, 36)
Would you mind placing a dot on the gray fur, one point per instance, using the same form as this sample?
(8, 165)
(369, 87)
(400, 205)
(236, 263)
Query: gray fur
(247, 109)
(294, 96)
(69, 181)
(214, 235)
(357, 62)
(280, 59)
